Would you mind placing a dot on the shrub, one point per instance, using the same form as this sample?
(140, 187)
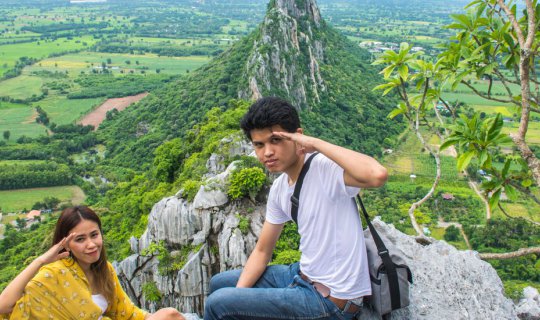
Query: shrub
(151, 292)
(191, 187)
(246, 182)
(287, 257)
(243, 223)
(451, 234)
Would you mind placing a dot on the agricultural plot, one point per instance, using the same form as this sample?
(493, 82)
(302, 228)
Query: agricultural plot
(86, 62)
(19, 119)
(10, 53)
(22, 87)
(17, 200)
(62, 110)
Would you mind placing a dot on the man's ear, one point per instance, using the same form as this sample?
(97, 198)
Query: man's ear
(300, 131)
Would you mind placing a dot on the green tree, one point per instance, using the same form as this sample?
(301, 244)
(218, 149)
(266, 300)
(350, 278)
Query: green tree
(7, 134)
(413, 79)
(496, 43)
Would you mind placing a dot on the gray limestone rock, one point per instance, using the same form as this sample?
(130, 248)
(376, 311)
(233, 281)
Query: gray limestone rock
(528, 307)
(448, 283)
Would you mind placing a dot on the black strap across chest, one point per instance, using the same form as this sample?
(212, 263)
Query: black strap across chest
(295, 198)
(381, 248)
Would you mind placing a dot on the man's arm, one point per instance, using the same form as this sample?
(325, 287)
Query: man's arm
(360, 170)
(261, 255)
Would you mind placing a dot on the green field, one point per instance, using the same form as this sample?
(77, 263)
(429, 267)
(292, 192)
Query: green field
(10, 53)
(87, 61)
(19, 119)
(17, 200)
(22, 87)
(62, 110)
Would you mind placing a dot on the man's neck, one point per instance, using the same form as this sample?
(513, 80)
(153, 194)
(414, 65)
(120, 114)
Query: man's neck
(294, 171)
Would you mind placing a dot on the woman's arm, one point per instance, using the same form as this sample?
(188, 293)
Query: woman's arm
(14, 290)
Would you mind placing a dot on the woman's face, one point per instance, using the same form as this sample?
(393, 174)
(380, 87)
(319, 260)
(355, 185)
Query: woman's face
(87, 243)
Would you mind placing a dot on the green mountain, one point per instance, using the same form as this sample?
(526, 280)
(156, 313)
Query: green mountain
(294, 54)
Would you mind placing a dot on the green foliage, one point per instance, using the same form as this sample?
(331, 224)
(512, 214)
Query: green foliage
(20, 247)
(514, 288)
(191, 187)
(169, 262)
(151, 292)
(246, 182)
(130, 202)
(167, 159)
(109, 86)
(287, 257)
(505, 236)
(31, 175)
(243, 223)
(452, 234)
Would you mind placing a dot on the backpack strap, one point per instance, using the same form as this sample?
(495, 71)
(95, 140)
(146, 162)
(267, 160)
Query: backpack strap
(389, 266)
(295, 198)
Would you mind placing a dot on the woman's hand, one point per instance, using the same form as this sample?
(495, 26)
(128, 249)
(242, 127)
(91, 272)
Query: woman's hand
(14, 290)
(55, 252)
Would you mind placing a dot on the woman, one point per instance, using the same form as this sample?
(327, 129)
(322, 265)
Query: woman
(73, 279)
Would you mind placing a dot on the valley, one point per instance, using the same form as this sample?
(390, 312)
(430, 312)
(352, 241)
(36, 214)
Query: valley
(185, 63)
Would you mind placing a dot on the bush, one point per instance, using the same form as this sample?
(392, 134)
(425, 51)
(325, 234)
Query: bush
(451, 234)
(151, 292)
(243, 223)
(191, 187)
(287, 257)
(246, 182)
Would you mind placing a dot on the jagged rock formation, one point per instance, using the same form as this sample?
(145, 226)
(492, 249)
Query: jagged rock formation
(448, 284)
(286, 56)
(206, 229)
(204, 237)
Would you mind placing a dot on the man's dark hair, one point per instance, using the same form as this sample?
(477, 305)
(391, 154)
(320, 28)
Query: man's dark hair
(270, 111)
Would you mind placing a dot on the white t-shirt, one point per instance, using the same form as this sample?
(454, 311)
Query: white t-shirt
(331, 237)
(100, 300)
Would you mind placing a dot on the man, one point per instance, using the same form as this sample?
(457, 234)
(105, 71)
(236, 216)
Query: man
(332, 277)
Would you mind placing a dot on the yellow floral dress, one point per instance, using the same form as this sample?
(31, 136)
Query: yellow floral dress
(60, 290)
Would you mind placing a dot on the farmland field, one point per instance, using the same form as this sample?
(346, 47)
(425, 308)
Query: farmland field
(19, 119)
(63, 111)
(88, 61)
(10, 53)
(22, 87)
(16, 200)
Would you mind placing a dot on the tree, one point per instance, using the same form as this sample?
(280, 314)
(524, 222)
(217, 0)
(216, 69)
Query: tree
(492, 43)
(7, 134)
(418, 95)
(495, 43)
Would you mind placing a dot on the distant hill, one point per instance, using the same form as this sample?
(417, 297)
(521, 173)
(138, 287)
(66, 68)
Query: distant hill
(294, 54)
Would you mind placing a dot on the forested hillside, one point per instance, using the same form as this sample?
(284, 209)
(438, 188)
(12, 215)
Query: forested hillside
(347, 112)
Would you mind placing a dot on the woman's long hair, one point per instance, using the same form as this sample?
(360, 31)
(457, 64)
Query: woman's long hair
(69, 219)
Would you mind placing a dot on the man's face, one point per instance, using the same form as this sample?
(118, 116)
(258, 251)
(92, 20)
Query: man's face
(276, 153)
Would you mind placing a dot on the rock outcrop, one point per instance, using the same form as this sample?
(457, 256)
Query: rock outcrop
(286, 56)
(528, 308)
(204, 237)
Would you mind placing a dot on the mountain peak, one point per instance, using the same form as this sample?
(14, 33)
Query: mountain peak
(286, 54)
(298, 9)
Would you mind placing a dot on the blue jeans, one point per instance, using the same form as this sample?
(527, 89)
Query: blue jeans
(280, 293)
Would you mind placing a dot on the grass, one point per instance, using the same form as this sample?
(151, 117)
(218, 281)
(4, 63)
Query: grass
(17, 200)
(22, 87)
(87, 61)
(19, 119)
(62, 110)
(10, 53)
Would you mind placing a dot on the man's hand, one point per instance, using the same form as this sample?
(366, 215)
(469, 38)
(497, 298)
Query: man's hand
(306, 144)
